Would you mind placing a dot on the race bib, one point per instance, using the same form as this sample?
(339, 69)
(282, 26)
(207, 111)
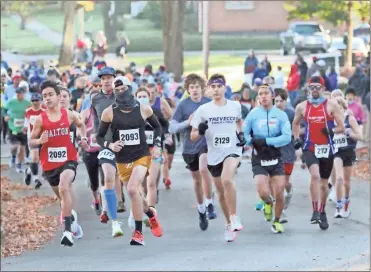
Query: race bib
(340, 140)
(221, 140)
(269, 163)
(18, 123)
(130, 136)
(57, 154)
(149, 137)
(106, 154)
(32, 119)
(321, 151)
(72, 136)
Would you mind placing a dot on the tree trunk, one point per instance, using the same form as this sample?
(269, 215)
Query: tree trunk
(23, 22)
(172, 28)
(110, 22)
(348, 54)
(66, 52)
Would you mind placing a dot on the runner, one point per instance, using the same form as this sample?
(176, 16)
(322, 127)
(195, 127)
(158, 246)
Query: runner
(58, 156)
(127, 120)
(218, 121)
(195, 152)
(30, 116)
(267, 129)
(14, 112)
(345, 158)
(287, 151)
(318, 147)
(162, 105)
(112, 191)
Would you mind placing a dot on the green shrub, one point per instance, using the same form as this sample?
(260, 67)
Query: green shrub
(152, 12)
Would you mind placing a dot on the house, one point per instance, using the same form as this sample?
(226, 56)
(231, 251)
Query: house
(247, 16)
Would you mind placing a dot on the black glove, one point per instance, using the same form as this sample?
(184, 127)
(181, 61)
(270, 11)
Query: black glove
(241, 138)
(327, 132)
(258, 143)
(202, 127)
(297, 144)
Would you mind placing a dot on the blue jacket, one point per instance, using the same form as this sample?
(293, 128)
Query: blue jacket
(258, 121)
(259, 73)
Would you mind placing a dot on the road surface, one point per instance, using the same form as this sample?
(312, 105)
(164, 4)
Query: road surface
(345, 245)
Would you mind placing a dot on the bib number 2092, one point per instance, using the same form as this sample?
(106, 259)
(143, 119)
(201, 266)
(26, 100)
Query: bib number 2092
(322, 151)
(57, 154)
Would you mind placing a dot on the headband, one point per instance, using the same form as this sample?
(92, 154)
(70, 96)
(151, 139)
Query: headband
(216, 80)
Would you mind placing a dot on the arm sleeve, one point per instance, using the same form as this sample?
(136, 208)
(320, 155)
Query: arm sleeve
(176, 127)
(285, 136)
(164, 124)
(96, 118)
(155, 124)
(247, 128)
(102, 130)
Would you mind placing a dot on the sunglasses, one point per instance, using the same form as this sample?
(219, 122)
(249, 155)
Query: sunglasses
(315, 87)
(35, 101)
(97, 85)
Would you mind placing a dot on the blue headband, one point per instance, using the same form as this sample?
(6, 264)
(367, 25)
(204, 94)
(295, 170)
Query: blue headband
(217, 80)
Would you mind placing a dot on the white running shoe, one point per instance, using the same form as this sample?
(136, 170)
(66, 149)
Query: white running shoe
(75, 227)
(284, 218)
(287, 198)
(116, 229)
(338, 213)
(229, 234)
(67, 239)
(131, 221)
(235, 223)
(345, 214)
(332, 195)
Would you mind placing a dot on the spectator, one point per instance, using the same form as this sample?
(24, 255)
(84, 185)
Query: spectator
(254, 92)
(260, 72)
(147, 76)
(10, 89)
(10, 73)
(170, 86)
(228, 92)
(78, 91)
(120, 73)
(365, 85)
(245, 92)
(354, 106)
(293, 83)
(314, 69)
(303, 69)
(279, 78)
(333, 78)
(94, 88)
(326, 78)
(244, 110)
(355, 81)
(267, 65)
(101, 49)
(251, 62)
(268, 80)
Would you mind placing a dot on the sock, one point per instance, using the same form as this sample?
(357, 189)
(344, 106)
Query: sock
(13, 158)
(322, 208)
(315, 206)
(276, 219)
(34, 167)
(339, 204)
(208, 201)
(138, 226)
(346, 199)
(19, 165)
(67, 223)
(111, 200)
(201, 208)
(329, 185)
(150, 213)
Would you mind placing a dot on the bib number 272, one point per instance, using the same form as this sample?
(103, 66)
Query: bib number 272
(322, 151)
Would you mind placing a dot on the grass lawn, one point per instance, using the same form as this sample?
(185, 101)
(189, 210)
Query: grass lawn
(23, 41)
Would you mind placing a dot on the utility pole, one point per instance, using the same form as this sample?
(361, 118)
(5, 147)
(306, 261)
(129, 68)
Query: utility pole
(205, 37)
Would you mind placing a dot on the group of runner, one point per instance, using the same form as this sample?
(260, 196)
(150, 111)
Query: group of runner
(126, 137)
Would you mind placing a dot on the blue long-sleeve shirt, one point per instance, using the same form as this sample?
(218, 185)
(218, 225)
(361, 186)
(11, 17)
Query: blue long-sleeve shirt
(272, 125)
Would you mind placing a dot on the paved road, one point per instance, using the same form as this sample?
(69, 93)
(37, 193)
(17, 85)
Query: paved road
(185, 247)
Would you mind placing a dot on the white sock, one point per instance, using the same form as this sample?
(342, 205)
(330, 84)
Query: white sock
(201, 208)
(208, 201)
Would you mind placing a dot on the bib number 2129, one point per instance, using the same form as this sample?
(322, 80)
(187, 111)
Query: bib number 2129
(222, 141)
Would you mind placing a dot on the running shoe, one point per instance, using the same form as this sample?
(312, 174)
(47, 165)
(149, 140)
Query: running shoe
(104, 217)
(19, 169)
(229, 234)
(345, 211)
(121, 207)
(259, 206)
(95, 205)
(116, 229)
(203, 221)
(210, 211)
(75, 227)
(338, 213)
(67, 239)
(284, 218)
(27, 176)
(38, 184)
(315, 218)
(154, 224)
(268, 212)
(277, 227)
(12, 163)
(137, 239)
(167, 184)
(323, 224)
(287, 198)
(332, 195)
(235, 223)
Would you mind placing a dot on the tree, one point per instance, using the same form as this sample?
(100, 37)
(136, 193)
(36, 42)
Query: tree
(172, 29)
(66, 52)
(335, 12)
(110, 19)
(23, 8)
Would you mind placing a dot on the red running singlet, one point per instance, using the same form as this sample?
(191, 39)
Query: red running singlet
(59, 148)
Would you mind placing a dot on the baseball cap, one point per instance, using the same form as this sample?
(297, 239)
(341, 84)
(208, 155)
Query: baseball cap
(316, 79)
(35, 97)
(121, 80)
(258, 81)
(17, 75)
(107, 71)
(20, 90)
(95, 80)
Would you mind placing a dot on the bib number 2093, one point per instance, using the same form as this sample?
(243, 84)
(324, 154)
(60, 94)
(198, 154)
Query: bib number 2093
(130, 136)
(57, 154)
(222, 141)
(322, 151)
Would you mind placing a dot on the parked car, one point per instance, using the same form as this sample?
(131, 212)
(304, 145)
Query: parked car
(305, 36)
(359, 49)
(363, 31)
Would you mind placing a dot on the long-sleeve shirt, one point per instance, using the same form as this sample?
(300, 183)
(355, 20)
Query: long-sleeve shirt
(357, 109)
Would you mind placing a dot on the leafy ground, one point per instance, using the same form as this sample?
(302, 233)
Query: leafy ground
(23, 225)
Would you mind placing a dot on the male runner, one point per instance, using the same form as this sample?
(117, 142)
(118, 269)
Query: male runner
(220, 122)
(127, 119)
(14, 112)
(319, 114)
(112, 186)
(195, 152)
(30, 117)
(58, 156)
(267, 128)
(287, 151)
